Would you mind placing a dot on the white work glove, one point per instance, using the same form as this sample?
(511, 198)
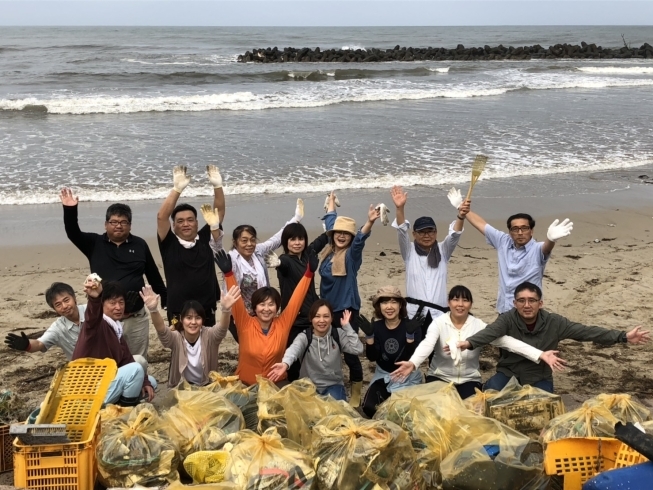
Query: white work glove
(557, 231)
(456, 355)
(299, 210)
(272, 260)
(326, 203)
(455, 197)
(214, 176)
(383, 212)
(179, 178)
(211, 216)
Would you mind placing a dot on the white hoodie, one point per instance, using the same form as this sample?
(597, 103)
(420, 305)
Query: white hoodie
(442, 331)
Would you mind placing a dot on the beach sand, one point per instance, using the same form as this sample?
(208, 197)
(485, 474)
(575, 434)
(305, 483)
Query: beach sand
(597, 276)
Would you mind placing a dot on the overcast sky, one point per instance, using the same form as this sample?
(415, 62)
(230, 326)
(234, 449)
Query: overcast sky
(323, 13)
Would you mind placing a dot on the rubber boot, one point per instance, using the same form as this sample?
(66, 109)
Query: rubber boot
(356, 388)
(128, 402)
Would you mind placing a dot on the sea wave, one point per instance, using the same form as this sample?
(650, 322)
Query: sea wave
(617, 70)
(335, 92)
(440, 70)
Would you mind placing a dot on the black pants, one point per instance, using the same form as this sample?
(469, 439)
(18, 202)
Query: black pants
(293, 370)
(465, 390)
(376, 394)
(353, 362)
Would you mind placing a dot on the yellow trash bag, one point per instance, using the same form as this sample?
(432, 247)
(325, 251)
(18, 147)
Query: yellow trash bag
(442, 397)
(207, 466)
(588, 420)
(271, 412)
(134, 450)
(491, 456)
(623, 407)
(268, 462)
(208, 486)
(201, 420)
(429, 434)
(477, 403)
(111, 412)
(356, 453)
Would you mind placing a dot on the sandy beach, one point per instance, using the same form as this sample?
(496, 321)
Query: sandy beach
(597, 276)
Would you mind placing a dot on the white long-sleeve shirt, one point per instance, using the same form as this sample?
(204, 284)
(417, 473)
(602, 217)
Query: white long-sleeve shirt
(442, 331)
(424, 282)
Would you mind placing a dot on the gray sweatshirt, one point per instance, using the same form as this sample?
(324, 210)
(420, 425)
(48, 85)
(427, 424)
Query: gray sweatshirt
(549, 329)
(322, 363)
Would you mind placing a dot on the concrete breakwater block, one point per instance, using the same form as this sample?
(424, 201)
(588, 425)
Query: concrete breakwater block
(460, 53)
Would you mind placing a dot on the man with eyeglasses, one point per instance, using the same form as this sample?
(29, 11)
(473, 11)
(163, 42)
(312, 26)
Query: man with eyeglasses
(117, 255)
(528, 322)
(426, 259)
(521, 257)
(185, 250)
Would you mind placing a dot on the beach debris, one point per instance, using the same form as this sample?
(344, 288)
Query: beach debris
(382, 254)
(383, 211)
(574, 257)
(611, 225)
(95, 279)
(326, 202)
(477, 169)
(596, 240)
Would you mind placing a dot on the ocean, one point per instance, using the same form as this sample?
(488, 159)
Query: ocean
(110, 111)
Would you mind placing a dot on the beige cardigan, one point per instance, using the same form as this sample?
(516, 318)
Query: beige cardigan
(210, 338)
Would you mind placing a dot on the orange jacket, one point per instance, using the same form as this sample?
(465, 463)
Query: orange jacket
(258, 351)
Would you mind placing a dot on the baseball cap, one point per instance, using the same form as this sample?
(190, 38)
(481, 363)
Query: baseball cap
(423, 223)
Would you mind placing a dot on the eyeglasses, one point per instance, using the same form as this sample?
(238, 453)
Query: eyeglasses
(340, 233)
(427, 231)
(530, 301)
(518, 229)
(115, 223)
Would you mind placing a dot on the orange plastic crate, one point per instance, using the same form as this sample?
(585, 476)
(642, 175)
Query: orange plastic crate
(69, 466)
(6, 450)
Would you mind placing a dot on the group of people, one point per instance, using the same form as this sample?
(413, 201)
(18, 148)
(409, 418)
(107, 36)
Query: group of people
(300, 331)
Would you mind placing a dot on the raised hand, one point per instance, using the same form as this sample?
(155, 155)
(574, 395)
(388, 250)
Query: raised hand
(272, 260)
(552, 359)
(455, 197)
(211, 216)
(150, 298)
(179, 178)
(214, 176)
(465, 208)
(299, 210)
(277, 371)
(230, 298)
(418, 323)
(399, 197)
(223, 260)
(17, 342)
(638, 336)
(373, 213)
(67, 197)
(346, 316)
(365, 325)
(557, 231)
(401, 373)
(93, 286)
(331, 198)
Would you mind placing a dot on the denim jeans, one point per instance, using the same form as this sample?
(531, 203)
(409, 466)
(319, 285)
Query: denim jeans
(336, 391)
(499, 380)
(127, 383)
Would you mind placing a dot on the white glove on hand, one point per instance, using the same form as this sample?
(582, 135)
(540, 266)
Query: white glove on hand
(211, 216)
(326, 203)
(299, 210)
(455, 197)
(272, 260)
(179, 178)
(456, 355)
(383, 211)
(557, 231)
(214, 176)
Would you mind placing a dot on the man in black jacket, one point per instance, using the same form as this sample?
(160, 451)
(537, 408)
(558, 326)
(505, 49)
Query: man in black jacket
(528, 322)
(117, 255)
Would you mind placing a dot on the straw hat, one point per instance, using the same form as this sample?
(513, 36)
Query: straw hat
(342, 223)
(388, 292)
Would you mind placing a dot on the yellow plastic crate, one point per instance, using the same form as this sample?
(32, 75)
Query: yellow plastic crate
(6, 449)
(69, 466)
(76, 395)
(527, 416)
(627, 456)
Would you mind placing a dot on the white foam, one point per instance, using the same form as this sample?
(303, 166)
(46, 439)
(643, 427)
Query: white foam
(354, 47)
(616, 70)
(440, 70)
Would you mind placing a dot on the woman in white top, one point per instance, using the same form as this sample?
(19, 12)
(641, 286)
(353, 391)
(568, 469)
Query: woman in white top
(454, 366)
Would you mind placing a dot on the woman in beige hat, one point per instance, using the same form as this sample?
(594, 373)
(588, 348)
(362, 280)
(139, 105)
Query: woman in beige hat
(390, 339)
(342, 259)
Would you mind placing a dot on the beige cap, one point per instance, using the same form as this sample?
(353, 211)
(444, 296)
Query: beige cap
(388, 292)
(343, 224)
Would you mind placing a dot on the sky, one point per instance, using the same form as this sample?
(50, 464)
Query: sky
(323, 13)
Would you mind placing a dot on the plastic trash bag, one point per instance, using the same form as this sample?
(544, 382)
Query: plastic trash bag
(442, 397)
(351, 454)
(477, 403)
(268, 462)
(588, 420)
(134, 450)
(491, 456)
(201, 420)
(271, 413)
(623, 406)
(207, 466)
(111, 412)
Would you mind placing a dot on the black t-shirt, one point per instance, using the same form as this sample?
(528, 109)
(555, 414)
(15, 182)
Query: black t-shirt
(390, 346)
(190, 272)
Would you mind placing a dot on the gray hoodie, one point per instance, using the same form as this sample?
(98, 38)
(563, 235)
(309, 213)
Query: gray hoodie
(322, 363)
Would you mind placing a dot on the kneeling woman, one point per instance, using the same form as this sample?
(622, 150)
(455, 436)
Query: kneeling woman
(318, 350)
(194, 347)
(390, 340)
(450, 328)
(264, 336)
